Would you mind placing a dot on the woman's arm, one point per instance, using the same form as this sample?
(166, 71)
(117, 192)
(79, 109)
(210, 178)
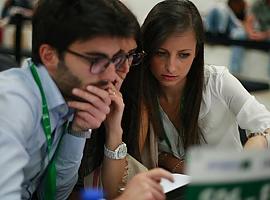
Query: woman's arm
(250, 114)
(252, 33)
(258, 140)
(113, 170)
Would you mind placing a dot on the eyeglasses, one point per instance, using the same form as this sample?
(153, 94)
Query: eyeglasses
(99, 63)
(135, 58)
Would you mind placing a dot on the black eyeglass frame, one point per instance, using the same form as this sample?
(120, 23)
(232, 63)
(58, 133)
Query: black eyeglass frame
(92, 59)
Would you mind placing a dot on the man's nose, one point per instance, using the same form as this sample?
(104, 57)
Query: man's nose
(110, 73)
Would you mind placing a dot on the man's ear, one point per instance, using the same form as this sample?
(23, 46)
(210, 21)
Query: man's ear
(49, 57)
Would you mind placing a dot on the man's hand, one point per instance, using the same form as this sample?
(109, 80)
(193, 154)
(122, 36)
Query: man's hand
(93, 111)
(146, 186)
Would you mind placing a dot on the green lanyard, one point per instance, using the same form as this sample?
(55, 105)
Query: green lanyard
(50, 178)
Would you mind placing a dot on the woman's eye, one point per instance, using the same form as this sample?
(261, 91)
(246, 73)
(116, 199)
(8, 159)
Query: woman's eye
(183, 55)
(161, 54)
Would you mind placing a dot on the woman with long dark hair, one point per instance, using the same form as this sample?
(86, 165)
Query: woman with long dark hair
(184, 102)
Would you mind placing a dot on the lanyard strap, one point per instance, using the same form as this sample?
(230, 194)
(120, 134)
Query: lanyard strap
(50, 178)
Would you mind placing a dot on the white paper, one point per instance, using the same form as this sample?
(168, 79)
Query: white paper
(179, 181)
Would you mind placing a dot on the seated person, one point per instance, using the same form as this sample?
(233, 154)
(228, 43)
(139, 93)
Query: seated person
(257, 26)
(226, 19)
(258, 20)
(12, 7)
(182, 102)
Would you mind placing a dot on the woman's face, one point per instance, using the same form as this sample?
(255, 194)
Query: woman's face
(171, 62)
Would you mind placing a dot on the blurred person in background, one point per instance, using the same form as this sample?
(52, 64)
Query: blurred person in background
(224, 19)
(12, 7)
(227, 20)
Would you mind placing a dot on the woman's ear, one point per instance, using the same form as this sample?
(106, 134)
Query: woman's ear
(49, 57)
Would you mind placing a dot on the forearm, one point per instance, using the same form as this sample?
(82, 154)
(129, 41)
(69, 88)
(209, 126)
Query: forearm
(67, 164)
(113, 170)
(258, 140)
(112, 174)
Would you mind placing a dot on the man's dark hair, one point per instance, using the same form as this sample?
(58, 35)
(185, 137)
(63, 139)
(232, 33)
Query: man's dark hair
(59, 23)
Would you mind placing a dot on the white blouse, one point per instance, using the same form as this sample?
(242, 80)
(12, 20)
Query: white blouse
(226, 104)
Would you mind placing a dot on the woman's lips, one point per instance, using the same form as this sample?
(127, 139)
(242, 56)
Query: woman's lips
(169, 77)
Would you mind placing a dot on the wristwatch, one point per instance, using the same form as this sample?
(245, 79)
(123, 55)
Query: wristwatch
(119, 153)
(82, 134)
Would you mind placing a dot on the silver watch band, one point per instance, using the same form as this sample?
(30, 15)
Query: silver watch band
(82, 134)
(85, 134)
(119, 153)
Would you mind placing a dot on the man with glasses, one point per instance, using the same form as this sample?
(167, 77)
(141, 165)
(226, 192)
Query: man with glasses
(103, 137)
(70, 86)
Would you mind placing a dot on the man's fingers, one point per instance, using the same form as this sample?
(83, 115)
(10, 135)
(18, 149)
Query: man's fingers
(86, 107)
(92, 108)
(93, 95)
(85, 120)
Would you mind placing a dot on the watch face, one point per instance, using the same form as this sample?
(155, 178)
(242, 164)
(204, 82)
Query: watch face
(122, 151)
(119, 153)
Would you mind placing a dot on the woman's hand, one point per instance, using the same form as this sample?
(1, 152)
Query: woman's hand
(113, 121)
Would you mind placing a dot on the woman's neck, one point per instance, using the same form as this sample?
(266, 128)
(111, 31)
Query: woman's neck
(171, 95)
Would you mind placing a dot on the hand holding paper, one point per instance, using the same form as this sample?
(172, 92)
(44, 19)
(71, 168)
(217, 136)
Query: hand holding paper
(179, 181)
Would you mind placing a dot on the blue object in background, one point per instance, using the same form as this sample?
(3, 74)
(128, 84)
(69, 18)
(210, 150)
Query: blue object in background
(92, 194)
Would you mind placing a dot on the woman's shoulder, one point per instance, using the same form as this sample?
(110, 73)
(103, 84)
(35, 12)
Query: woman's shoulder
(212, 80)
(214, 71)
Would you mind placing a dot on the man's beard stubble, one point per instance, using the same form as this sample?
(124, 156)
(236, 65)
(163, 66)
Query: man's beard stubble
(66, 82)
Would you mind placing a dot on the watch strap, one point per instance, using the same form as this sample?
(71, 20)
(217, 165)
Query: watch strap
(80, 134)
(119, 153)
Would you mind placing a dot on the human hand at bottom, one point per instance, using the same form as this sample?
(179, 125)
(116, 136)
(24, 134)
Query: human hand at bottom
(146, 186)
